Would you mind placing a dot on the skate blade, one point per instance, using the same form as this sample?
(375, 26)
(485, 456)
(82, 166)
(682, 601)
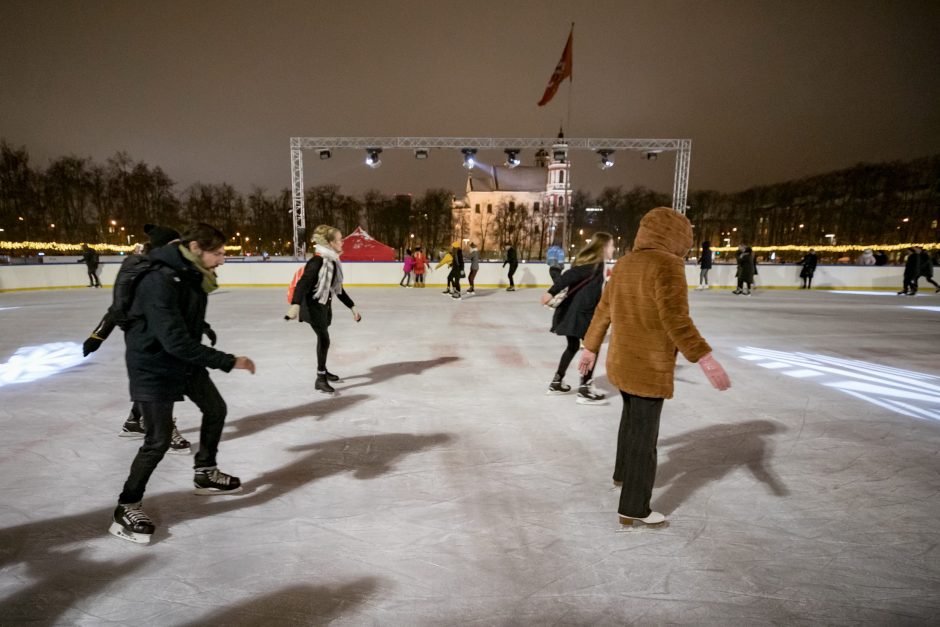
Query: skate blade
(180, 451)
(214, 491)
(587, 401)
(557, 392)
(134, 436)
(122, 533)
(639, 524)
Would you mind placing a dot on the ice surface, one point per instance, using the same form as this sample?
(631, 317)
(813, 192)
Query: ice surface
(443, 487)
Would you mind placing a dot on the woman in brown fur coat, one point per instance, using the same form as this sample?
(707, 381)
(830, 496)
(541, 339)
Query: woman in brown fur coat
(646, 306)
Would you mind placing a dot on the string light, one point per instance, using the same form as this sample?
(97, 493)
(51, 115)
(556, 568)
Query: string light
(60, 247)
(831, 249)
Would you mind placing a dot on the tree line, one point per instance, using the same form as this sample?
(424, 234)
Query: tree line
(77, 200)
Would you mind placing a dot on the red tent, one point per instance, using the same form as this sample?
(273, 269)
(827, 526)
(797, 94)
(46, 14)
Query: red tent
(360, 246)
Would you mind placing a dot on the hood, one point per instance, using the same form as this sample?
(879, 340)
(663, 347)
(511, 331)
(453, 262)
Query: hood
(664, 229)
(455, 244)
(172, 257)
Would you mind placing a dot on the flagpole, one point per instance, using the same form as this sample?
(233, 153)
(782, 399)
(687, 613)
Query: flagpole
(566, 231)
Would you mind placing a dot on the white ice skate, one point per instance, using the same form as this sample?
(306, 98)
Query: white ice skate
(132, 523)
(655, 518)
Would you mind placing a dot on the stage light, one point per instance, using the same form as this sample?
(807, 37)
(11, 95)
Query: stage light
(468, 160)
(325, 153)
(421, 153)
(652, 155)
(372, 157)
(607, 161)
(512, 157)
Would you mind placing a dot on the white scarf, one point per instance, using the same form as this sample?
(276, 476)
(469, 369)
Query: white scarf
(331, 274)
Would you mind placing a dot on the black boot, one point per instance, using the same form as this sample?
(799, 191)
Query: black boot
(322, 385)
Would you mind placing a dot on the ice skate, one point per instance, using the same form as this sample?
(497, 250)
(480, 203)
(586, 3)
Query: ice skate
(557, 386)
(737, 292)
(334, 378)
(133, 428)
(214, 481)
(587, 395)
(654, 518)
(447, 291)
(178, 444)
(510, 289)
(132, 523)
(455, 296)
(322, 385)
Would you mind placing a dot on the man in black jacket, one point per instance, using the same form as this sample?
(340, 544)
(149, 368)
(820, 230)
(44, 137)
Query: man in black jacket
(166, 360)
(513, 261)
(911, 273)
(90, 258)
(925, 267)
(456, 269)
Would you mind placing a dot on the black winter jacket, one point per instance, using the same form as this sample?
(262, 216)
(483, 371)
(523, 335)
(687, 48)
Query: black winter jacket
(305, 295)
(705, 261)
(573, 316)
(163, 338)
(912, 266)
(90, 258)
(926, 265)
(809, 263)
(511, 257)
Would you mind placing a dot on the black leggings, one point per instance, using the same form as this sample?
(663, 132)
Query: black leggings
(574, 345)
(512, 271)
(323, 345)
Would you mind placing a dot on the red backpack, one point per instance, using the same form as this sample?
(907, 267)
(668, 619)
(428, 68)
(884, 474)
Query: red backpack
(293, 284)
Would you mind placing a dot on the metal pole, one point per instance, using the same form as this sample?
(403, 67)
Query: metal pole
(298, 214)
(680, 189)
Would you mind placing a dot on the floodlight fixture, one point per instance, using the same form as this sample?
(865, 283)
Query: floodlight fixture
(512, 157)
(607, 162)
(652, 155)
(372, 157)
(421, 153)
(468, 157)
(325, 153)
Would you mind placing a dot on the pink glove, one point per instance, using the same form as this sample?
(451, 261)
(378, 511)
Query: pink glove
(715, 373)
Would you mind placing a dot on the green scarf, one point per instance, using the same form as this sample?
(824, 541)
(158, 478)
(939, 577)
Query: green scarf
(209, 281)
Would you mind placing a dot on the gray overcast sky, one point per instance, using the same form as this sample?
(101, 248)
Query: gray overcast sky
(212, 91)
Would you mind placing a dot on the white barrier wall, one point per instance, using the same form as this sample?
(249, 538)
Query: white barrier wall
(273, 273)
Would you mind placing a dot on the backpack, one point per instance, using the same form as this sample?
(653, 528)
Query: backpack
(125, 285)
(293, 284)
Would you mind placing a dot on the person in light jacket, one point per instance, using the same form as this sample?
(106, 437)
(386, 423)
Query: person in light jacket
(474, 267)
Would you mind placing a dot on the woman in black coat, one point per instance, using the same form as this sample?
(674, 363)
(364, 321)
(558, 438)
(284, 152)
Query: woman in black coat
(313, 297)
(745, 271)
(584, 282)
(705, 264)
(809, 262)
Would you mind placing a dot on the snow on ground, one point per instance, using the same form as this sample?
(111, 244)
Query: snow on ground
(442, 486)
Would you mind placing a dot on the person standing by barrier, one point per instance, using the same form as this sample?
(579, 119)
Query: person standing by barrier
(166, 360)
(312, 300)
(474, 267)
(925, 267)
(705, 264)
(584, 283)
(809, 263)
(408, 268)
(91, 260)
(646, 306)
(512, 260)
(911, 273)
(420, 266)
(745, 272)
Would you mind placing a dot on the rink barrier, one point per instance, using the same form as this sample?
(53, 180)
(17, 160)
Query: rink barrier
(491, 276)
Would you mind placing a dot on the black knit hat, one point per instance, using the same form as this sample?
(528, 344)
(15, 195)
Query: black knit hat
(160, 235)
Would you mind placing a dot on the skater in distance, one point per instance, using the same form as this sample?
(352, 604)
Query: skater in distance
(646, 307)
(312, 300)
(165, 361)
(512, 260)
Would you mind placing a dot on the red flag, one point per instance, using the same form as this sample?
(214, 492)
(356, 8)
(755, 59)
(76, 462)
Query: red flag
(562, 71)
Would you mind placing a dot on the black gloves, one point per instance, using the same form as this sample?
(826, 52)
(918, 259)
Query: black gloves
(91, 345)
(210, 334)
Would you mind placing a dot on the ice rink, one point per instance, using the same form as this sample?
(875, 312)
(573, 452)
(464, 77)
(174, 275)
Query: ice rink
(443, 487)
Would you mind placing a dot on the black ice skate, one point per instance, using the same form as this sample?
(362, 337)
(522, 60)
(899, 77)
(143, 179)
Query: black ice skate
(322, 385)
(178, 444)
(332, 377)
(557, 386)
(455, 295)
(587, 395)
(214, 481)
(133, 428)
(132, 523)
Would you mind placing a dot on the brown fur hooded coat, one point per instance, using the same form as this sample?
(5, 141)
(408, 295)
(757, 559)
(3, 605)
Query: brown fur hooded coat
(646, 304)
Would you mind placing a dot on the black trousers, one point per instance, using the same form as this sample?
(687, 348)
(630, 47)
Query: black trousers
(453, 279)
(472, 277)
(158, 423)
(635, 465)
(512, 271)
(910, 284)
(574, 345)
(93, 279)
(554, 272)
(405, 278)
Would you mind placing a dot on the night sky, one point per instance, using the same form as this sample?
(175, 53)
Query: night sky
(212, 91)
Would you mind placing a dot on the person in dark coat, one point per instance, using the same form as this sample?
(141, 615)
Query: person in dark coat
(745, 271)
(456, 269)
(159, 236)
(926, 267)
(91, 259)
(512, 260)
(809, 263)
(166, 360)
(704, 264)
(881, 259)
(313, 297)
(585, 283)
(911, 273)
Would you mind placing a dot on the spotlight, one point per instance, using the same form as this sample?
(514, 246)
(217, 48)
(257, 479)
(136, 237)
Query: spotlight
(512, 157)
(372, 158)
(468, 160)
(325, 153)
(421, 153)
(652, 155)
(607, 161)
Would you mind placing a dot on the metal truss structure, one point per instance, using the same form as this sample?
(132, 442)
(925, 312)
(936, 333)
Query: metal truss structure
(682, 148)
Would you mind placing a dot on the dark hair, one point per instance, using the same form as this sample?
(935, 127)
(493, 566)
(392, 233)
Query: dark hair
(706, 245)
(407, 251)
(417, 249)
(206, 236)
